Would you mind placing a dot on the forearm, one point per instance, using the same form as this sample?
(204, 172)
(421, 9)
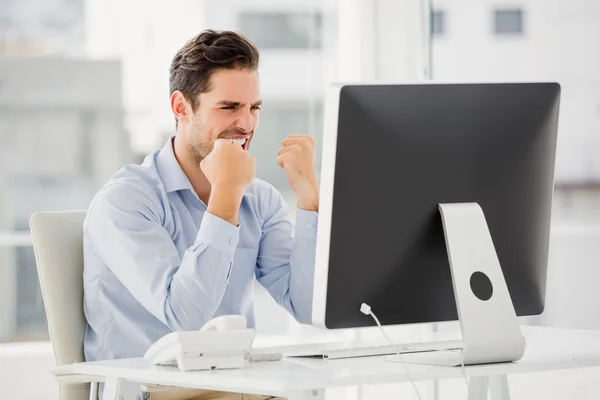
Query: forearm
(196, 289)
(198, 286)
(302, 266)
(286, 261)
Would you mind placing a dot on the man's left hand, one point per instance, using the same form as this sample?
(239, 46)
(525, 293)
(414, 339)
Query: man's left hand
(297, 158)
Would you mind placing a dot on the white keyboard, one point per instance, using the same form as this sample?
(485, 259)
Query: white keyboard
(338, 350)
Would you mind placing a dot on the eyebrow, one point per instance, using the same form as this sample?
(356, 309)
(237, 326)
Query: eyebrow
(236, 104)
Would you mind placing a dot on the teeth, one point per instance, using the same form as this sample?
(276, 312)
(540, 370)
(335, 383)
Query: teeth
(238, 141)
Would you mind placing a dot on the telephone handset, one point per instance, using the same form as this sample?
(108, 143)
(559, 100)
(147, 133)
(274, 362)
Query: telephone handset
(225, 322)
(222, 343)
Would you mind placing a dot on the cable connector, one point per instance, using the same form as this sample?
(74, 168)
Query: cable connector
(365, 309)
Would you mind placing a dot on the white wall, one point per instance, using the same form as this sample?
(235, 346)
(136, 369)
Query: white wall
(560, 43)
(573, 278)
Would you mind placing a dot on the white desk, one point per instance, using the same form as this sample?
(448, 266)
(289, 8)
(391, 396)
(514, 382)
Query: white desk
(547, 349)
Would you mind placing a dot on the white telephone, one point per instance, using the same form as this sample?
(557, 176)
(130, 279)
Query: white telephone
(222, 343)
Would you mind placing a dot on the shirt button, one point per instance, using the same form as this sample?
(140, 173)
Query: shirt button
(232, 241)
(309, 225)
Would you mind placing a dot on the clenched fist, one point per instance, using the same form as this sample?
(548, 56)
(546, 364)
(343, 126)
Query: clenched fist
(297, 158)
(228, 167)
(230, 170)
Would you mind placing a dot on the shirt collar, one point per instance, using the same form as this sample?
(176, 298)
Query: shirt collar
(171, 174)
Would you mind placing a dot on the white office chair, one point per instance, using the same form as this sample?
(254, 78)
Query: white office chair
(58, 246)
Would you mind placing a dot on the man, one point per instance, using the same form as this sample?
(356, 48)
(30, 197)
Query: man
(176, 241)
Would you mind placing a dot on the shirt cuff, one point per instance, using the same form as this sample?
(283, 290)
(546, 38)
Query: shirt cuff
(219, 234)
(306, 223)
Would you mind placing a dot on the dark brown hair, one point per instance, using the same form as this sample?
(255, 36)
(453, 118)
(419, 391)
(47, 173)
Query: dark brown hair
(206, 53)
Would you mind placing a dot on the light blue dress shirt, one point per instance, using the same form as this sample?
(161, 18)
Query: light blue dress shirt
(156, 261)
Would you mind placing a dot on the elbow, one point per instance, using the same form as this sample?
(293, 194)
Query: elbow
(183, 314)
(303, 319)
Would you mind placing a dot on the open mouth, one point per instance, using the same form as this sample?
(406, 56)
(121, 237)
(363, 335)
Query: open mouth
(241, 141)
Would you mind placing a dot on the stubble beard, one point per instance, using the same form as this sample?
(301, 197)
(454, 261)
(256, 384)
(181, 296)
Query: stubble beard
(198, 148)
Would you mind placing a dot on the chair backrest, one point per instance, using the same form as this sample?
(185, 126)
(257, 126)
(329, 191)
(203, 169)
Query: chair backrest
(58, 246)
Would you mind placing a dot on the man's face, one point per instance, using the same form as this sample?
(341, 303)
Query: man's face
(229, 110)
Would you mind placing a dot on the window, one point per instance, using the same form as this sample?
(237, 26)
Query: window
(30, 26)
(299, 30)
(31, 317)
(508, 22)
(438, 23)
(30, 193)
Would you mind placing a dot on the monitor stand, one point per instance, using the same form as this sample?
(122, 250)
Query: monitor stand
(490, 330)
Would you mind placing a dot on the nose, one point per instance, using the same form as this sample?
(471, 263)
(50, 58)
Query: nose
(245, 122)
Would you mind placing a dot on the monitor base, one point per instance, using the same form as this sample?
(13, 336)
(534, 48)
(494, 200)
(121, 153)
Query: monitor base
(488, 322)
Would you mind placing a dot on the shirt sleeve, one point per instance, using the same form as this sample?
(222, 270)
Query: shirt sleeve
(286, 258)
(124, 228)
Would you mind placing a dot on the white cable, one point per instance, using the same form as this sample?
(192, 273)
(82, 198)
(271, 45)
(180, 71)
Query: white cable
(366, 309)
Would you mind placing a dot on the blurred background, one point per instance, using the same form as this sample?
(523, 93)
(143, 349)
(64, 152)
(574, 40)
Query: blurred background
(84, 91)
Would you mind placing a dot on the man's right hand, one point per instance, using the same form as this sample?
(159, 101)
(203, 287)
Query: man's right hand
(230, 170)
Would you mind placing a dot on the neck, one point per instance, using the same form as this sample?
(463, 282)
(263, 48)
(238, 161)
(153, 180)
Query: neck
(193, 172)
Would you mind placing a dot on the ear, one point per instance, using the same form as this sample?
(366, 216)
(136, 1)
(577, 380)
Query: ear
(179, 106)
